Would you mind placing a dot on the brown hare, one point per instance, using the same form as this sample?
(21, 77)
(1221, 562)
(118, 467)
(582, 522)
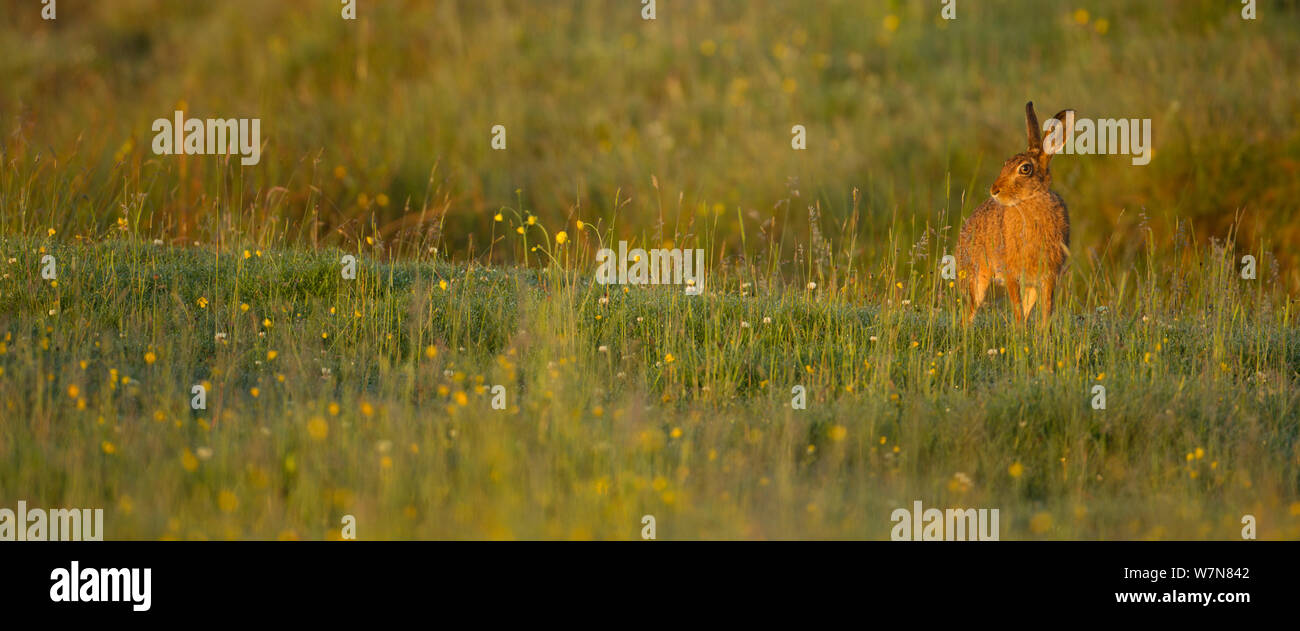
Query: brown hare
(1021, 235)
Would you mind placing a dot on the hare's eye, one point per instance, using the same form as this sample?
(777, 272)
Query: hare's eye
(1026, 168)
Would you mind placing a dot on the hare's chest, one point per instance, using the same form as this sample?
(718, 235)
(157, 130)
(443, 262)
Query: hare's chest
(1032, 239)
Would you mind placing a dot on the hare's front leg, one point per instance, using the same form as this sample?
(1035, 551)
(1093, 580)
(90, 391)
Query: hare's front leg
(1028, 298)
(1013, 292)
(1046, 290)
(976, 286)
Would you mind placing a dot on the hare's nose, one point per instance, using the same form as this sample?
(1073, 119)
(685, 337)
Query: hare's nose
(994, 190)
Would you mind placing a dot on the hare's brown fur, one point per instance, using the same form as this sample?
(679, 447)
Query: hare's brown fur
(1021, 235)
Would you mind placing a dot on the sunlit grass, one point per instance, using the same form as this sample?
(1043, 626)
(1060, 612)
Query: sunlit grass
(596, 101)
(372, 397)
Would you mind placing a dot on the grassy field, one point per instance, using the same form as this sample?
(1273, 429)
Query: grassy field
(372, 397)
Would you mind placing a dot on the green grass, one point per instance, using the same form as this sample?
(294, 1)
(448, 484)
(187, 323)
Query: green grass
(597, 101)
(329, 397)
(592, 439)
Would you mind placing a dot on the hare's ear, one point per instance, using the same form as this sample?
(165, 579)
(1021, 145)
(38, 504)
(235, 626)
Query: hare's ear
(1031, 126)
(1059, 129)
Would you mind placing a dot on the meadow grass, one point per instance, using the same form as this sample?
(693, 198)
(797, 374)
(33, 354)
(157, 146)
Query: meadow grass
(371, 397)
(371, 125)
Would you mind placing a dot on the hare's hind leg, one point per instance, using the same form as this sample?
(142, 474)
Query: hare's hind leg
(976, 287)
